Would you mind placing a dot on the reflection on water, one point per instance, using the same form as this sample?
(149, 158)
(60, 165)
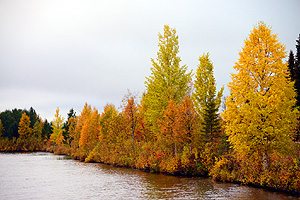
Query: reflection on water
(46, 176)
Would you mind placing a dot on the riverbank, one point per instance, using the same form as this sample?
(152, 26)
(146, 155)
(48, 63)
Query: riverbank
(224, 170)
(283, 173)
(60, 178)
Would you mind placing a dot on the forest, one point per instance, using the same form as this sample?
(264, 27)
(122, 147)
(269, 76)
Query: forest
(175, 126)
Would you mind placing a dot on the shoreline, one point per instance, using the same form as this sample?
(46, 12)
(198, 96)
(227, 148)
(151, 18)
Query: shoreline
(292, 193)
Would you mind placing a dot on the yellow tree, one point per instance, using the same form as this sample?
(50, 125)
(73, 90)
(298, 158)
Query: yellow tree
(261, 112)
(24, 127)
(80, 121)
(57, 125)
(36, 138)
(72, 125)
(168, 80)
(90, 132)
(60, 138)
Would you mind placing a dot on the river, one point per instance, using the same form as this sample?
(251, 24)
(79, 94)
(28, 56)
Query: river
(42, 175)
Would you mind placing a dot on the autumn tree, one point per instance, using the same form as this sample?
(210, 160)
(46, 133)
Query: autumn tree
(37, 128)
(130, 110)
(72, 121)
(60, 138)
(57, 125)
(186, 123)
(168, 80)
(206, 99)
(37, 133)
(77, 125)
(167, 126)
(90, 132)
(113, 126)
(110, 112)
(24, 127)
(261, 114)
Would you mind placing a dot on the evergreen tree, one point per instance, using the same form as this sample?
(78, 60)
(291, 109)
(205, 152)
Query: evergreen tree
(31, 113)
(66, 133)
(297, 71)
(297, 56)
(261, 114)
(1, 128)
(10, 121)
(206, 100)
(168, 80)
(47, 130)
(291, 65)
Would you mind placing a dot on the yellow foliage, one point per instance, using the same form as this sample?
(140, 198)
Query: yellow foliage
(24, 129)
(260, 114)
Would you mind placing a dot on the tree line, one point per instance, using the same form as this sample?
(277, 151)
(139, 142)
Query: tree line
(175, 126)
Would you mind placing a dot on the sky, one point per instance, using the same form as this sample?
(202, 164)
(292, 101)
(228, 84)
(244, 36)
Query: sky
(65, 53)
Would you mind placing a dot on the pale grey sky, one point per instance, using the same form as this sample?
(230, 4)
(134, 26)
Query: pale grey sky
(63, 53)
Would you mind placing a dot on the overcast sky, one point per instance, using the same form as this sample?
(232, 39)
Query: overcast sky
(63, 53)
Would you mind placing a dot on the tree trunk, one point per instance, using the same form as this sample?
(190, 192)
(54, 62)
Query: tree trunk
(265, 162)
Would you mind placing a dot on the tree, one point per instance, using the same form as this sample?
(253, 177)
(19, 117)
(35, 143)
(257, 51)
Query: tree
(60, 138)
(207, 102)
(71, 114)
(36, 137)
(131, 114)
(291, 65)
(37, 128)
(168, 80)
(10, 121)
(261, 114)
(57, 125)
(167, 127)
(186, 123)
(297, 71)
(24, 127)
(297, 56)
(84, 134)
(32, 115)
(84, 115)
(71, 129)
(90, 132)
(1, 128)
(47, 130)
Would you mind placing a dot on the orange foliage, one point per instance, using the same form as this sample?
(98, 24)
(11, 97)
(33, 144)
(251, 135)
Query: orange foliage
(167, 127)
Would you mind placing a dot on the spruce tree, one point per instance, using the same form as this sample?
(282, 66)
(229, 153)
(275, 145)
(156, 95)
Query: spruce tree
(297, 71)
(206, 100)
(291, 65)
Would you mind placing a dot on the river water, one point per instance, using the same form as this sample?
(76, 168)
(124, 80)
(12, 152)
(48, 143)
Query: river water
(42, 175)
